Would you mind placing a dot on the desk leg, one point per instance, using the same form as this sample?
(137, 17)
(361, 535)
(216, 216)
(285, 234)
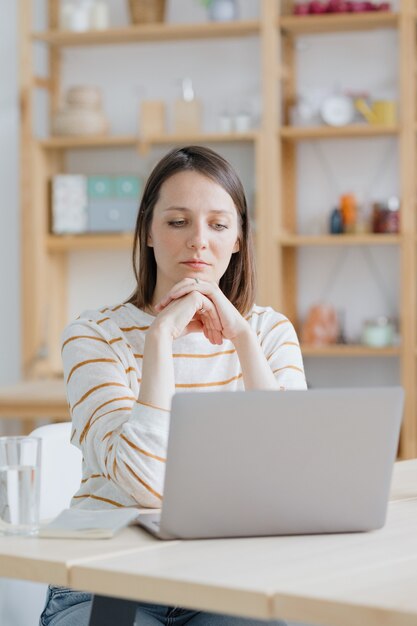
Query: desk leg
(110, 611)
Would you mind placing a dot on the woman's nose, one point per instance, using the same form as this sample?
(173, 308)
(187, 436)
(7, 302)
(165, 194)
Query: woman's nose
(198, 239)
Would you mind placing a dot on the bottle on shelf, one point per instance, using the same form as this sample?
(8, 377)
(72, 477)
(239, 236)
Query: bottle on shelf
(336, 222)
(348, 208)
(187, 110)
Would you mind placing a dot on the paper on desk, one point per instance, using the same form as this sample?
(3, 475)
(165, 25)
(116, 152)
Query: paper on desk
(83, 524)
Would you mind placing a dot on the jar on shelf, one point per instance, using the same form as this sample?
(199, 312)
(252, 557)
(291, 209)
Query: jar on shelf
(378, 332)
(386, 216)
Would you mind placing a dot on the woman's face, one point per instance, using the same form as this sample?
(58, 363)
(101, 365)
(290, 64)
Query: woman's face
(194, 230)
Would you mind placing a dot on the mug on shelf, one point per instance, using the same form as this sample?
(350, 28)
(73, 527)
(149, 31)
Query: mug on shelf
(380, 112)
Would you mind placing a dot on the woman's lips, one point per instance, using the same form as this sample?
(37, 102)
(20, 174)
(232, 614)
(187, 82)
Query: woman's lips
(195, 265)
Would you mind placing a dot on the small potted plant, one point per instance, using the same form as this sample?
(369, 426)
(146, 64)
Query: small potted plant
(221, 10)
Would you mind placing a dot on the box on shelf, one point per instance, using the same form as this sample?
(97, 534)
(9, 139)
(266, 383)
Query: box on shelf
(69, 204)
(94, 204)
(99, 187)
(152, 118)
(113, 203)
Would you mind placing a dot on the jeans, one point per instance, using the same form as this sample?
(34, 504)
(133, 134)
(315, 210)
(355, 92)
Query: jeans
(66, 607)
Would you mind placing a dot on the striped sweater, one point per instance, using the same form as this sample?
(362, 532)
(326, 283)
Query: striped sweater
(123, 442)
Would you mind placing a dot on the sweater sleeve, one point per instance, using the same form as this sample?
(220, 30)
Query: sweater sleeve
(282, 349)
(120, 438)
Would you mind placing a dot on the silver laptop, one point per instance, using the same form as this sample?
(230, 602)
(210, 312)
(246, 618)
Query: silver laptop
(256, 463)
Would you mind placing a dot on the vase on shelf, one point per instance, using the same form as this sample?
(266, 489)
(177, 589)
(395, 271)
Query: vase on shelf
(81, 113)
(147, 11)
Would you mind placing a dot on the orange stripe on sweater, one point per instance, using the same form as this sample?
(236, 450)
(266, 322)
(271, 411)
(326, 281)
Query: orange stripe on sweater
(82, 337)
(213, 384)
(152, 406)
(88, 362)
(142, 451)
(289, 367)
(88, 424)
(90, 495)
(93, 389)
(142, 482)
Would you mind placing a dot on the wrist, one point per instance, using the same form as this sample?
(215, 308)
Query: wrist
(159, 332)
(244, 336)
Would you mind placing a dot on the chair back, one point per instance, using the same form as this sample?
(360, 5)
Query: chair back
(60, 468)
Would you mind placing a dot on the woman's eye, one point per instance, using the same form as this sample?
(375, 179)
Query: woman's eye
(219, 226)
(176, 223)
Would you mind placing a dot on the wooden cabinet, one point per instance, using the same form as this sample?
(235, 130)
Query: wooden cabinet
(278, 243)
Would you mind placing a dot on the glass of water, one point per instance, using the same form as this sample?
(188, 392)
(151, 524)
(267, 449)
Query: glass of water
(20, 466)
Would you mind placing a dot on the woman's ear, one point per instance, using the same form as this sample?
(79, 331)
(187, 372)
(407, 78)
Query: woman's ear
(149, 241)
(236, 247)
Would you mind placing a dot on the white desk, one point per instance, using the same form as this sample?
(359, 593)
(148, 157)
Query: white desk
(363, 579)
(51, 560)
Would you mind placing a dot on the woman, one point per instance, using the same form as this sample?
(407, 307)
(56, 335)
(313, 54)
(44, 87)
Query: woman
(191, 324)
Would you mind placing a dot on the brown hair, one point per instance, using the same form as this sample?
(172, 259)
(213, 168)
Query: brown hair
(238, 281)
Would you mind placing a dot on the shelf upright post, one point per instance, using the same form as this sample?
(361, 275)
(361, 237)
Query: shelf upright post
(268, 164)
(32, 268)
(288, 190)
(408, 309)
(56, 301)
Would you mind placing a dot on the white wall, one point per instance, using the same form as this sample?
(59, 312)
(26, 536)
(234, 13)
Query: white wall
(9, 203)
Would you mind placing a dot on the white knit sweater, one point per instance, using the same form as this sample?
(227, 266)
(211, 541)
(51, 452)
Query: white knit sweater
(123, 441)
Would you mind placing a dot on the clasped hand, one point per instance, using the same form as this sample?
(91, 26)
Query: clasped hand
(199, 306)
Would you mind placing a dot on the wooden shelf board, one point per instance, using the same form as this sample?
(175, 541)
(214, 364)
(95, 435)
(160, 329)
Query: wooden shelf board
(149, 33)
(204, 138)
(299, 133)
(68, 243)
(120, 141)
(98, 141)
(34, 398)
(351, 350)
(294, 241)
(334, 23)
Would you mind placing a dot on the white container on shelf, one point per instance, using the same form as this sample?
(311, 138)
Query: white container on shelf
(81, 16)
(99, 16)
(66, 15)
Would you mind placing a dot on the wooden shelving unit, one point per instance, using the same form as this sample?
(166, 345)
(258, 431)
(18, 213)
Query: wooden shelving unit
(289, 242)
(44, 256)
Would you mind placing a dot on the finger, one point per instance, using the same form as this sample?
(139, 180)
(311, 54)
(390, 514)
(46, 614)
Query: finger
(182, 287)
(218, 337)
(214, 318)
(180, 290)
(211, 337)
(210, 315)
